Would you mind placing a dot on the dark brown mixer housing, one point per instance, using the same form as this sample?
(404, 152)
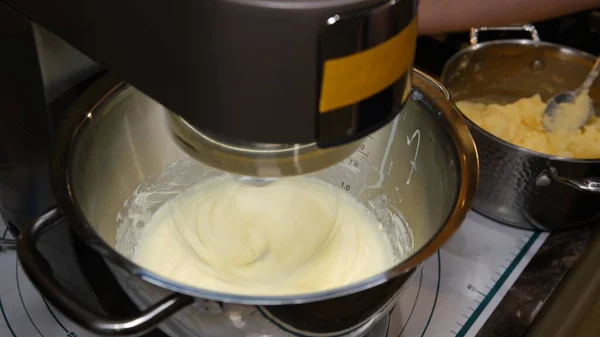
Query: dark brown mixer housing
(251, 72)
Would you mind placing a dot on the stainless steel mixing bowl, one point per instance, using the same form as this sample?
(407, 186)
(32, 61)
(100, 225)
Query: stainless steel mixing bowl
(520, 187)
(114, 156)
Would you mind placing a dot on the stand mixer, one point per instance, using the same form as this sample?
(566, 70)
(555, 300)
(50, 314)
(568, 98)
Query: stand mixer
(260, 88)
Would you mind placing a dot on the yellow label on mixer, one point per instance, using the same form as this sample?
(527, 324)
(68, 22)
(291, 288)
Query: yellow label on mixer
(350, 79)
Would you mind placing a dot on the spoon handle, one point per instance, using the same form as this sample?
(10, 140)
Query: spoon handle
(592, 75)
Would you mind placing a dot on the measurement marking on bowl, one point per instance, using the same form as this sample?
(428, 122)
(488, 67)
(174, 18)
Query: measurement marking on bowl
(361, 150)
(385, 155)
(353, 163)
(413, 162)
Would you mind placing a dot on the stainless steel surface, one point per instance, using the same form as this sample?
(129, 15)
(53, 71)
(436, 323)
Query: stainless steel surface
(421, 167)
(515, 187)
(245, 70)
(569, 97)
(265, 161)
(591, 185)
(380, 328)
(474, 32)
(591, 78)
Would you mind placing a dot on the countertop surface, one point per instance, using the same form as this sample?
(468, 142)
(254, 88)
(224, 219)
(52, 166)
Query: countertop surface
(532, 295)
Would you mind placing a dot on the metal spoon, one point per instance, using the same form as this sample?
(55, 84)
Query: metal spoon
(569, 97)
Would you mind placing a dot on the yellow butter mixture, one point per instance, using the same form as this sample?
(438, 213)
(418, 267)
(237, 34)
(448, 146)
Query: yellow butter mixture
(294, 236)
(522, 123)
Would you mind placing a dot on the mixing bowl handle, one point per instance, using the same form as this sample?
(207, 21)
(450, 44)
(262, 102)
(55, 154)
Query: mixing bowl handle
(586, 184)
(40, 274)
(474, 34)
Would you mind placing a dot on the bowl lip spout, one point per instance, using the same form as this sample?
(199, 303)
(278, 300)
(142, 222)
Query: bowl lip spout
(109, 86)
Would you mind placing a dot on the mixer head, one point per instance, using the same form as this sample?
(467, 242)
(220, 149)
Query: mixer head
(269, 87)
(258, 160)
(301, 85)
